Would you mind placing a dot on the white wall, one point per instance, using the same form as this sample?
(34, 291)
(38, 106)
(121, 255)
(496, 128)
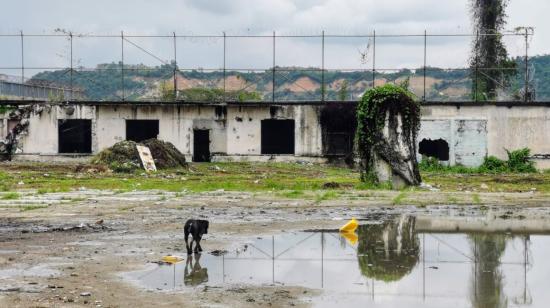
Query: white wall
(467, 138)
(472, 131)
(507, 127)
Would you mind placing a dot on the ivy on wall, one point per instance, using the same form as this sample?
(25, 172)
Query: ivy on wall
(378, 107)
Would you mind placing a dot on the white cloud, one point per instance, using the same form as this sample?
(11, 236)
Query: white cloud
(259, 17)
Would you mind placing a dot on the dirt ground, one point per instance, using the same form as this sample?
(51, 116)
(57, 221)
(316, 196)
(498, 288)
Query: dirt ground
(73, 252)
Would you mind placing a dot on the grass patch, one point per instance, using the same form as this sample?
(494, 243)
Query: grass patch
(285, 180)
(452, 199)
(399, 198)
(292, 194)
(476, 199)
(11, 196)
(329, 195)
(127, 208)
(26, 208)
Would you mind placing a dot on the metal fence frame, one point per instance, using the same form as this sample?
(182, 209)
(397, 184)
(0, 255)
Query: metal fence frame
(126, 39)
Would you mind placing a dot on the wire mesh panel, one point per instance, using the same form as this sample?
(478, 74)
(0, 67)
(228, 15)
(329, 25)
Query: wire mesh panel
(200, 66)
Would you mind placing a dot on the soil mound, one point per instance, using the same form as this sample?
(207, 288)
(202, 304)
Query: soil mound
(165, 154)
(124, 157)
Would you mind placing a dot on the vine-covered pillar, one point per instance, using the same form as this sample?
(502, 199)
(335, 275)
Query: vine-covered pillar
(388, 120)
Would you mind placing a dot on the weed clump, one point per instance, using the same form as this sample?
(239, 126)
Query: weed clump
(518, 162)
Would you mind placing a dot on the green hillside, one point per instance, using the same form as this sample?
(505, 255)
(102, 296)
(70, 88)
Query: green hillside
(294, 83)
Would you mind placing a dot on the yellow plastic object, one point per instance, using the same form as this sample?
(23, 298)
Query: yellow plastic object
(350, 226)
(171, 259)
(351, 237)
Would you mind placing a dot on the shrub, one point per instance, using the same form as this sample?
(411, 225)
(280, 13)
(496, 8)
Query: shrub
(492, 164)
(518, 161)
(430, 164)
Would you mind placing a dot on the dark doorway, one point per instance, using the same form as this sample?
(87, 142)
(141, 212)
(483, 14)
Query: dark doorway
(338, 123)
(75, 136)
(139, 130)
(338, 144)
(201, 145)
(434, 148)
(277, 136)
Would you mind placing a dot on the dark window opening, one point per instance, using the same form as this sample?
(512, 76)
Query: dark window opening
(201, 145)
(434, 148)
(75, 136)
(277, 136)
(338, 123)
(140, 130)
(220, 111)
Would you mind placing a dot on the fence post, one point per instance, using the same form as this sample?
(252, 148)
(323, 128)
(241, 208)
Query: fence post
(175, 69)
(71, 69)
(425, 61)
(122, 62)
(22, 94)
(273, 75)
(526, 96)
(373, 58)
(224, 67)
(323, 67)
(476, 68)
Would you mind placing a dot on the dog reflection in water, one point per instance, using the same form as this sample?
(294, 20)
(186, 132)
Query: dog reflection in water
(194, 274)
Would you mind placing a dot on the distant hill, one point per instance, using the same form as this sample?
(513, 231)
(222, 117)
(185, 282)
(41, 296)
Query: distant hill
(292, 83)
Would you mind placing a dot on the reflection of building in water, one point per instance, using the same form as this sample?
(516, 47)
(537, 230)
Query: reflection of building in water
(194, 274)
(388, 251)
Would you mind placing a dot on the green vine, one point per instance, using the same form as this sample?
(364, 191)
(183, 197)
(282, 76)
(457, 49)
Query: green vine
(6, 108)
(372, 113)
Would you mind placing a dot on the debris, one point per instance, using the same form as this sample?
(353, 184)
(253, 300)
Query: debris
(350, 226)
(428, 187)
(172, 259)
(218, 252)
(331, 185)
(85, 294)
(146, 158)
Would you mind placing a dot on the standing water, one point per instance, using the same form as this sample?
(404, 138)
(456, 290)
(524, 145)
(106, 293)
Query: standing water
(395, 263)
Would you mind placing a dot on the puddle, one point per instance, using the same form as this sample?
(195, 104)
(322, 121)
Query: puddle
(401, 262)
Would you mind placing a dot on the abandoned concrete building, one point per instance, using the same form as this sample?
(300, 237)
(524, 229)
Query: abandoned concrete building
(454, 133)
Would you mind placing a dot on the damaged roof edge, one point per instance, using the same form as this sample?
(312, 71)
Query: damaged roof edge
(458, 104)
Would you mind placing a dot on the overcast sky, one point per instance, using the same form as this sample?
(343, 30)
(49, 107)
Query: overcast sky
(255, 17)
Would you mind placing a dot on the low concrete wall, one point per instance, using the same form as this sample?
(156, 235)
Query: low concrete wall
(506, 128)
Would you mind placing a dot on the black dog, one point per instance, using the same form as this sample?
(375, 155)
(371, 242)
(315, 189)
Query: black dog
(197, 228)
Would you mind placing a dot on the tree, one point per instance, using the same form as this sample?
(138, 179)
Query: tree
(343, 92)
(489, 62)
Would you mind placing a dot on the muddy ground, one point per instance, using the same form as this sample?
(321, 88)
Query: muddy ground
(74, 252)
